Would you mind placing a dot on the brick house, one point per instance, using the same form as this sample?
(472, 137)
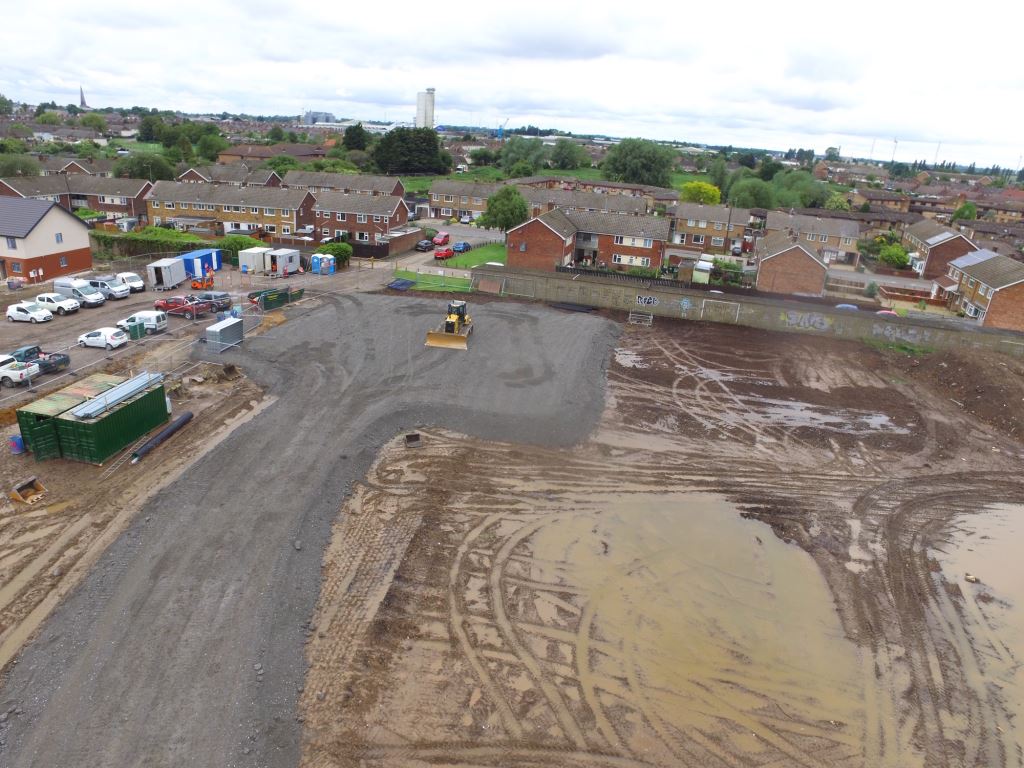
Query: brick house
(257, 153)
(361, 218)
(542, 200)
(113, 196)
(947, 286)
(585, 238)
(709, 228)
(236, 175)
(349, 183)
(1001, 210)
(992, 290)
(833, 239)
(933, 246)
(880, 199)
(40, 240)
(460, 198)
(787, 264)
(233, 210)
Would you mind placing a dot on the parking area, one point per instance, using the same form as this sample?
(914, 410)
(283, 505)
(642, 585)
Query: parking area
(475, 236)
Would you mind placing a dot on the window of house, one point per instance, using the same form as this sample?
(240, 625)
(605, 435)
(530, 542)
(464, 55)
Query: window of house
(698, 239)
(465, 199)
(63, 261)
(478, 201)
(286, 230)
(340, 232)
(446, 211)
(236, 208)
(847, 241)
(434, 196)
(268, 211)
(271, 228)
(59, 237)
(823, 238)
(970, 283)
(225, 208)
(340, 216)
(254, 211)
(691, 222)
(811, 236)
(326, 232)
(316, 214)
(286, 211)
(618, 239)
(703, 224)
(387, 219)
(682, 238)
(16, 267)
(718, 242)
(632, 261)
(449, 198)
(169, 206)
(12, 243)
(360, 218)
(376, 219)
(363, 237)
(155, 203)
(719, 226)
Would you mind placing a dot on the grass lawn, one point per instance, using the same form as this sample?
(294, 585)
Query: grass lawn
(138, 146)
(428, 282)
(477, 256)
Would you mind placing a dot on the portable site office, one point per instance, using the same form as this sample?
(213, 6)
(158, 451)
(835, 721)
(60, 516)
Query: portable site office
(283, 261)
(197, 262)
(254, 261)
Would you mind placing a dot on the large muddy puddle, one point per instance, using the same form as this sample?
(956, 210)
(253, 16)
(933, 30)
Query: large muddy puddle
(988, 546)
(711, 623)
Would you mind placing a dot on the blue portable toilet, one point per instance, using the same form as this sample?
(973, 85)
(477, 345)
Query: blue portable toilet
(196, 262)
(322, 264)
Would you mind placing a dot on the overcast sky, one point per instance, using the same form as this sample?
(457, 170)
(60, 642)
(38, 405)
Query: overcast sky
(857, 75)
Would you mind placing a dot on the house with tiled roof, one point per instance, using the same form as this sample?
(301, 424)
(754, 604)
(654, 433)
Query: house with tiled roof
(834, 238)
(788, 265)
(992, 290)
(587, 238)
(115, 197)
(257, 153)
(349, 183)
(449, 198)
(880, 198)
(236, 174)
(232, 210)
(40, 240)
(715, 229)
(360, 218)
(932, 246)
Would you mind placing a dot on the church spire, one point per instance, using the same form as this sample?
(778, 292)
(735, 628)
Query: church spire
(81, 93)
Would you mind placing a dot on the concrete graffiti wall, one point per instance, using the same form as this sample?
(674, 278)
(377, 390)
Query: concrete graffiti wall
(671, 300)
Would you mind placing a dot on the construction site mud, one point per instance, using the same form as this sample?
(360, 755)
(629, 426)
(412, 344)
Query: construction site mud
(691, 544)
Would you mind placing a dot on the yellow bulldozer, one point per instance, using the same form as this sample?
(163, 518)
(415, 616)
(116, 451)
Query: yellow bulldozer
(454, 332)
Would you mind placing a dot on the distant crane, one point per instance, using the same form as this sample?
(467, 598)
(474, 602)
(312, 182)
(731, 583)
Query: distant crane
(501, 128)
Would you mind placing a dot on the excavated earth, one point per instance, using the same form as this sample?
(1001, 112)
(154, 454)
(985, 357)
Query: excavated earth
(690, 544)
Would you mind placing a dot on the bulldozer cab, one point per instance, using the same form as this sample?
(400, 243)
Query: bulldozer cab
(457, 308)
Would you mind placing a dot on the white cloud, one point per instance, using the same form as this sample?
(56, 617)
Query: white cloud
(742, 73)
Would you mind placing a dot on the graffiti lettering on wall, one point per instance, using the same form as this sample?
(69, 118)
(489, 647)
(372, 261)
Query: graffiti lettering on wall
(685, 305)
(647, 301)
(811, 321)
(908, 333)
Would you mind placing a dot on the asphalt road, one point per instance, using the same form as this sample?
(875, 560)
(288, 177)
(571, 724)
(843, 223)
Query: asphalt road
(151, 660)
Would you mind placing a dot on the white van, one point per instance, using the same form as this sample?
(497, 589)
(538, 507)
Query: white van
(133, 281)
(154, 321)
(111, 286)
(79, 290)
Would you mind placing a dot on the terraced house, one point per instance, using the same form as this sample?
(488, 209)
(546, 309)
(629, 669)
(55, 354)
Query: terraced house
(236, 175)
(359, 218)
(233, 210)
(992, 290)
(352, 184)
(716, 229)
(933, 247)
(115, 197)
(460, 198)
(581, 238)
(835, 240)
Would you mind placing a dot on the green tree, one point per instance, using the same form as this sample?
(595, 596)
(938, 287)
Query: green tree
(293, 137)
(19, 130)
(282, 164)
(837, 202)
(6, 105)
(150, 128)
(639, 161)
(799, 189)
(19, 165)
(769, 168)
(747, 160)
(94, 121)
(483, 156)
(865, 207)
(506, 208)
(275, 134)
(700, 192)
(356, 137)
(966, 212)
(232, 244)
(411, 150)
(185, 146)
(567, 155)
(12, 147)
(520, 170)
(751, 193)
(210, 145)
(717, 172)
(832, 155)
(360, 159)
(342, 252)
(871, 289)
(894, 255)
(519, 149)
(49, 118)
(145, 165)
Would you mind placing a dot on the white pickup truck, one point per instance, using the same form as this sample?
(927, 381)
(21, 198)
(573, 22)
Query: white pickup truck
(12, 372)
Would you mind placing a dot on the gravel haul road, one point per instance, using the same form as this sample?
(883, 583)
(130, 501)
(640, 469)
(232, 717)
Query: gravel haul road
(184, 645)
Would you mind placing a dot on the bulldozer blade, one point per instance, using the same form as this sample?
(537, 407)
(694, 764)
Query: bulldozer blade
(446, 340)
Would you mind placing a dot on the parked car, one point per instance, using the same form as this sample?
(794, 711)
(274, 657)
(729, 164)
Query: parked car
(887, 313)
(424, 245)
(443, 253)
(103, 337)
(56, 302)
(28, 312)
(441, 238)
(153, 320)
(79, 290)
(48, 362)
(13, 372)
(111, 286)
(221, 300)
(133, 281)
(462, 247)
(183, 306)
(848, 307)
(465, 220)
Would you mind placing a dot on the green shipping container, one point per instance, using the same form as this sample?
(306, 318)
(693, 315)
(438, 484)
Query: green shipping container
(96, 440)
(39, 431)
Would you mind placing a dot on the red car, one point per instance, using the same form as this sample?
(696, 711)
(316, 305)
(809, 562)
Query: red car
(184, 306)
(443, 253)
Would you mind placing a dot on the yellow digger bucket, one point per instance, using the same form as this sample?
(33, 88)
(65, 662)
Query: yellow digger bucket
(28, 491)
(447, 340)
